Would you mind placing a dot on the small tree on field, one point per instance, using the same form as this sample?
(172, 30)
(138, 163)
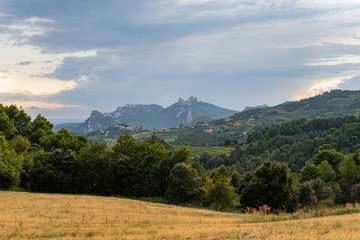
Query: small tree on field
(184, 184)
(307, 195)
(220, 193)
(270, 184)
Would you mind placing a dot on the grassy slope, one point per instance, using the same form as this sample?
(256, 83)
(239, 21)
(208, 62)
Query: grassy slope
(197, 151)
(56, 216)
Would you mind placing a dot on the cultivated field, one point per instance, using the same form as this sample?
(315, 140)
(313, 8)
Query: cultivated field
(55, 216)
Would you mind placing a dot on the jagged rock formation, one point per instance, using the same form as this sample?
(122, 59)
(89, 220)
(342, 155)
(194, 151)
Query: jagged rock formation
(130, 114)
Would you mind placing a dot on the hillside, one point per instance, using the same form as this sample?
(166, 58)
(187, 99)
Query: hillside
(239, 126)
(57, 216)
(293, 142)
(131, 114)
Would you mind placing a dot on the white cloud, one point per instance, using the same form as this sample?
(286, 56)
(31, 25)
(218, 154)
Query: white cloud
(321, 85)
(51, 110)
(29, 78)
(346, 59)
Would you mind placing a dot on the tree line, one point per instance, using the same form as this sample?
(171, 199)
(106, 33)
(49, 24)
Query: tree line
(34, 158)
(292, 142)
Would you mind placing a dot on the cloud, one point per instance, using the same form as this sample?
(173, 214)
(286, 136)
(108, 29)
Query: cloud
(233, 52)
(21, 75)
(346, 59)
(51, 110)
(25, 63)
(322, 85)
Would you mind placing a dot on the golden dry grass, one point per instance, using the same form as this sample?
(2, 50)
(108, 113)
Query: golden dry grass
(56, 216)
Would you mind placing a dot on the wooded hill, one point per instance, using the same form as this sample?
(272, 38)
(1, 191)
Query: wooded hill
(291, 142)
(336, 103)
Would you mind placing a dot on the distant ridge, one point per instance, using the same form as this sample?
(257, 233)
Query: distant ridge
(336, 103)
(260, 106)
(153, 116)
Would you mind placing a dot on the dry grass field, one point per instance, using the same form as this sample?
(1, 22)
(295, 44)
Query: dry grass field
(56, 216)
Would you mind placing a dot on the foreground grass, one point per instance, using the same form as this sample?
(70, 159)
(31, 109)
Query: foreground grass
(56, 216)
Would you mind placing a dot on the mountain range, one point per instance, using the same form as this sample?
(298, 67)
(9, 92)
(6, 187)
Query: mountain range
(238, 126)
(151, 116)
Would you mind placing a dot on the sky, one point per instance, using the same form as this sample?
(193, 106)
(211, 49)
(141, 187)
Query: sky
(65, 58)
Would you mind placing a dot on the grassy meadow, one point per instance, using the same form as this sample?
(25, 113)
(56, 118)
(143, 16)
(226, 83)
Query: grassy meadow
(56, 216)
(197, 151)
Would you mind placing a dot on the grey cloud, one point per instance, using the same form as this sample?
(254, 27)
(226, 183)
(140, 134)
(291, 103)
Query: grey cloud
(232, 53)
(25, 63)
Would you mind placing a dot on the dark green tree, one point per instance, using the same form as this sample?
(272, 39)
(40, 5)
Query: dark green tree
(220, 171)
(355, 193)
(235, 180)
(307, 195)
(184, 184)
(349, 174)
(54, 172)
(91, 169)
(270, 184)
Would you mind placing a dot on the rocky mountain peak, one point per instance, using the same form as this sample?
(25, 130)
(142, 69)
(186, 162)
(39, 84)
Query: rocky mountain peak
(188, 102)
(154, 116)
(95, 114)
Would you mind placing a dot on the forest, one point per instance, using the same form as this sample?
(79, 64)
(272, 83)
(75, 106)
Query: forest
(298, 164)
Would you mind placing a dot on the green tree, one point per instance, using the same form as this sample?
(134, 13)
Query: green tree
(123, 175)
(167, 163)
(307, 195)
(19, 144)
(6, 124)
(323, 190)
(235, 180)
(220, 194)
(355, 193)
(184, 184)
(145, 157)
(91, 169)
(349, 174)
(54, 172)
(326, 171)
(200, 170)
(222, 170)
(270, 184)
(40, 130)
(20, 119)
(10, 165)
(326, 153)
(309, 172)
